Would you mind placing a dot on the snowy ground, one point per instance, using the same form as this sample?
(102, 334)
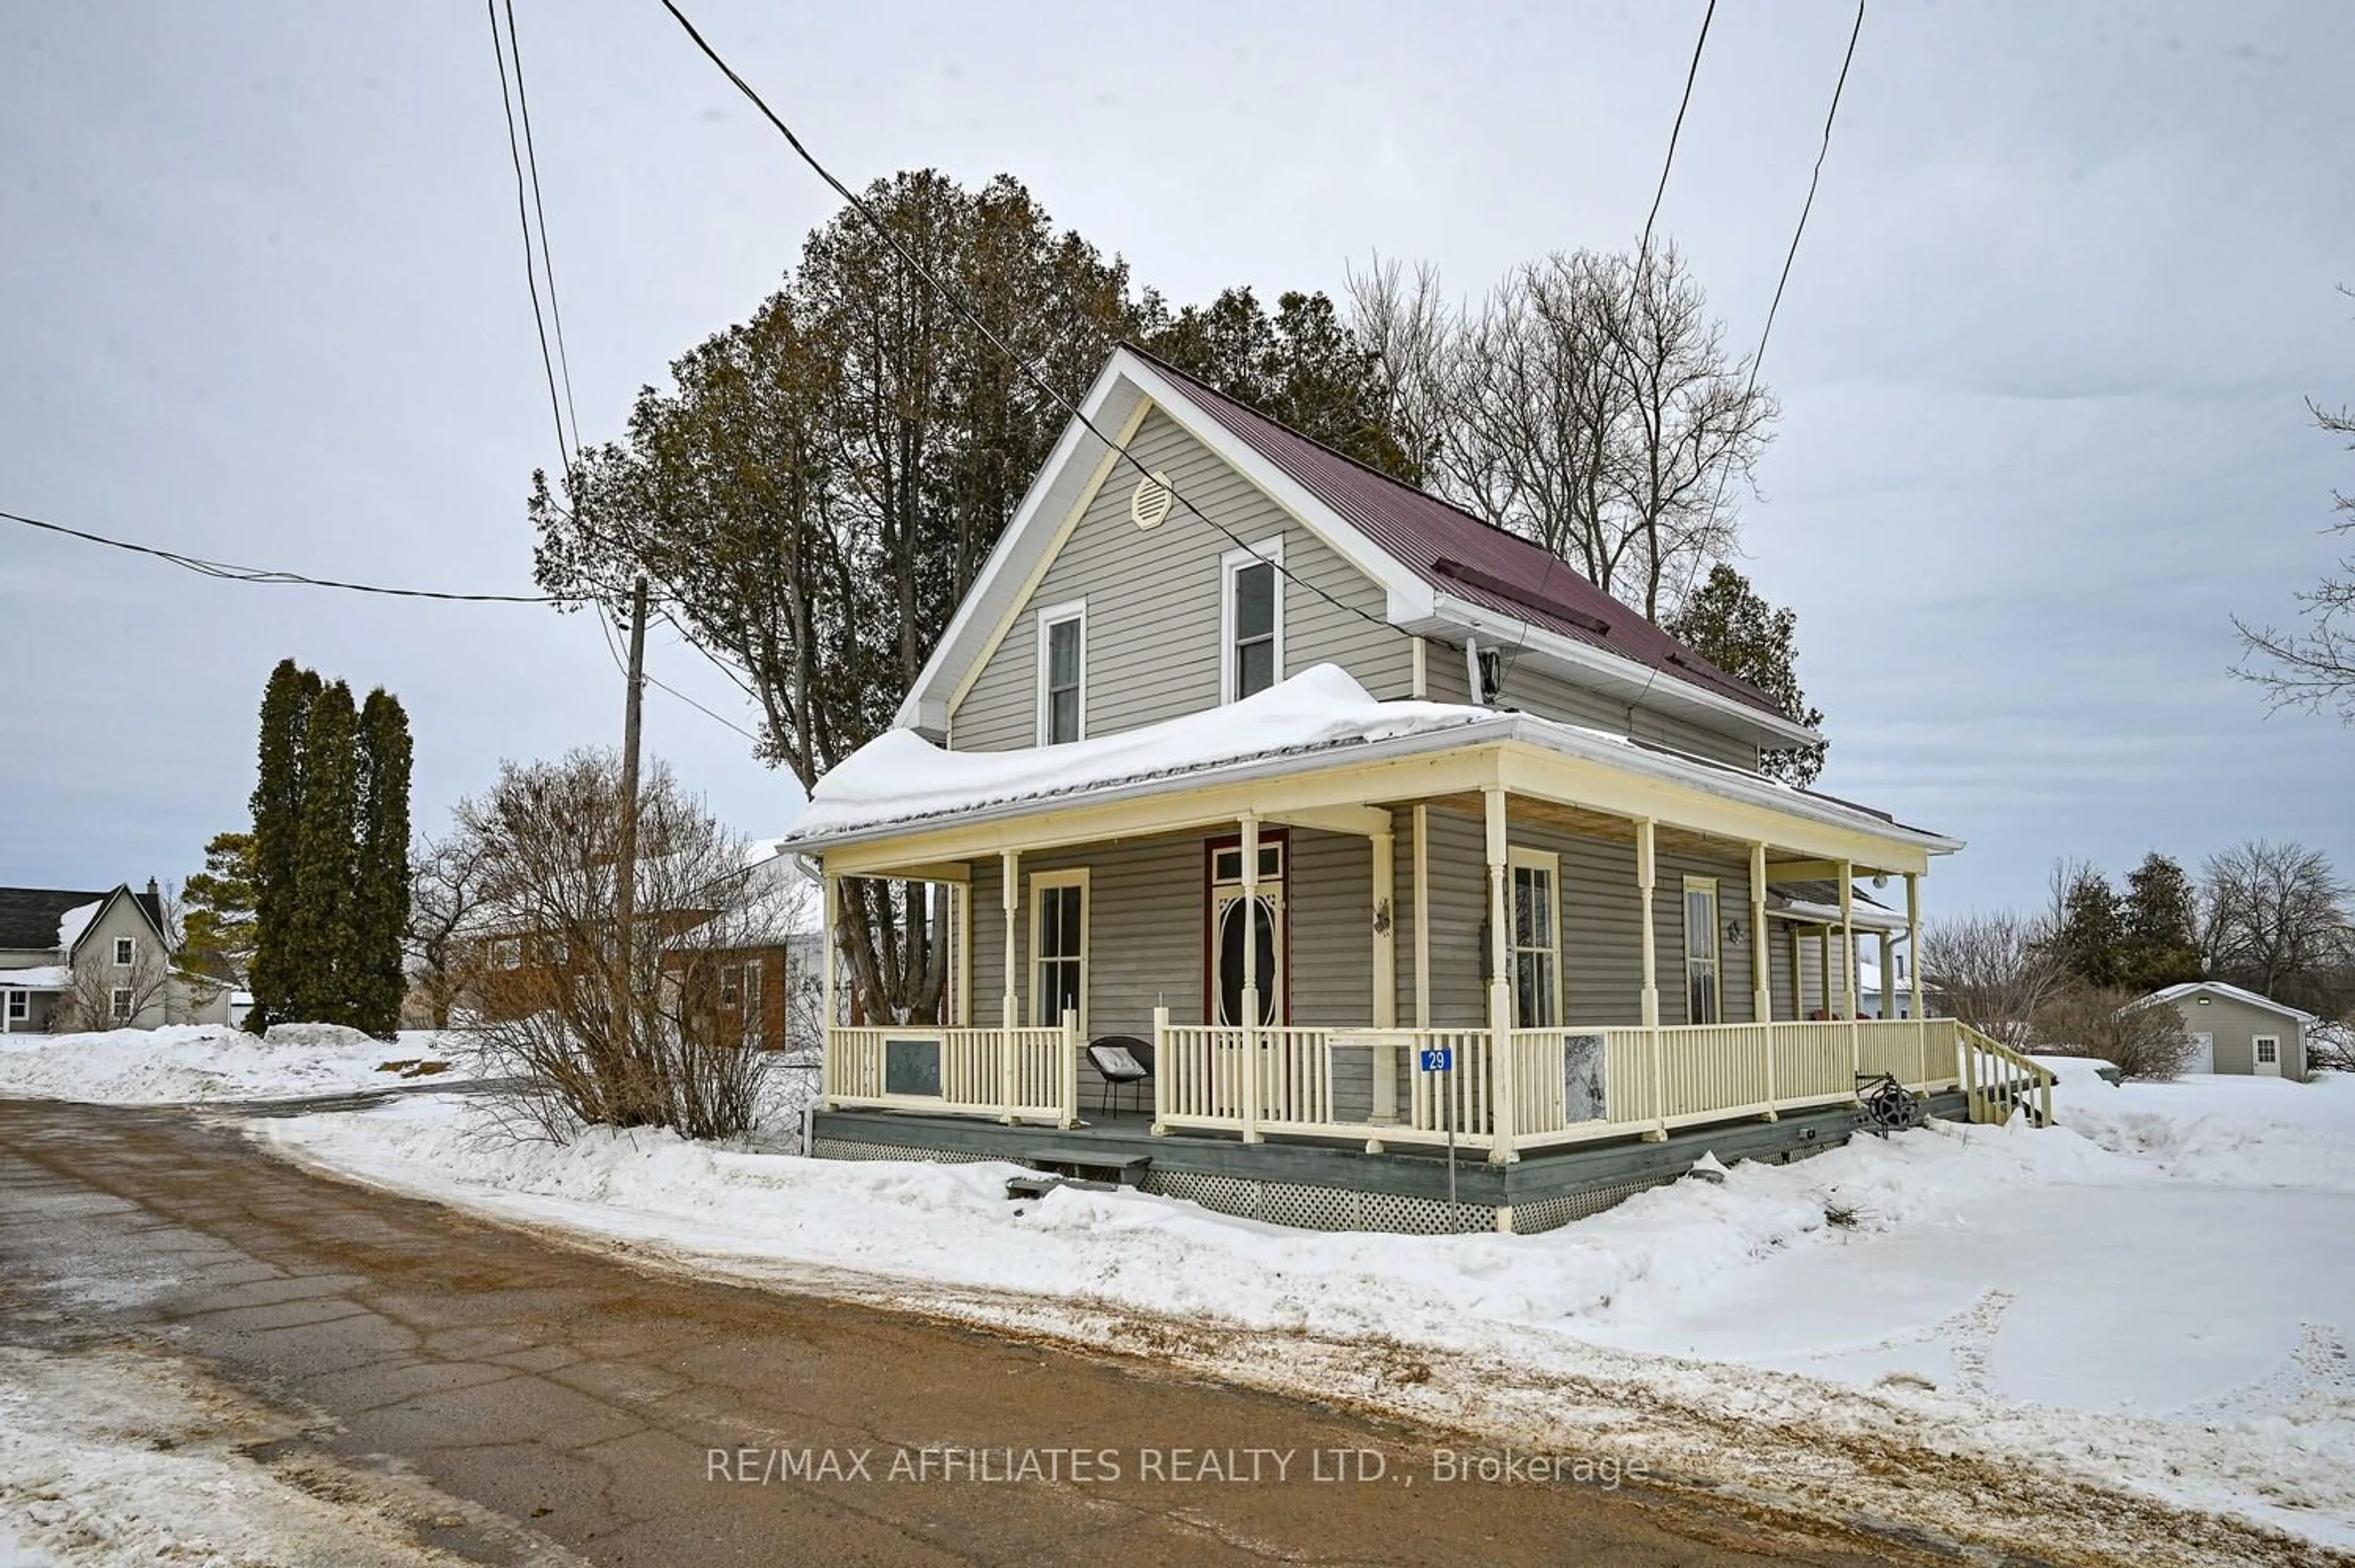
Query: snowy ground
(189, 1062)
(113, 1456)
(1969, 1330)
(2153, 1298)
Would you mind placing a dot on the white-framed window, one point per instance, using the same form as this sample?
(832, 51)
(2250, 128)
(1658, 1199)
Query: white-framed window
(732, 984)
(1063, 673)
(755, 1015)
(1704, 984)
(123, 1004)
(20, 1006)
(126, 952)
(507, 953)
(1250, 619)
(1058, 946)
(1533, 904)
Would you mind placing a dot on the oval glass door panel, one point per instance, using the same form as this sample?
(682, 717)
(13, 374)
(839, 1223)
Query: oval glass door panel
(1230, 954)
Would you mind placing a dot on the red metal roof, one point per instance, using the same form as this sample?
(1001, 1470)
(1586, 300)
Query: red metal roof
(1460, 555)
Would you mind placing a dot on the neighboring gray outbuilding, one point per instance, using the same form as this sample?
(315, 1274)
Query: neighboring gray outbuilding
(2240, 1031)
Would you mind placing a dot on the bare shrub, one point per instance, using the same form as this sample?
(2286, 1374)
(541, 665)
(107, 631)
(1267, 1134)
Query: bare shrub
(2331, 1047)
(1995, 972)
(588, 1030)
(103, 995)
(2140, 1040)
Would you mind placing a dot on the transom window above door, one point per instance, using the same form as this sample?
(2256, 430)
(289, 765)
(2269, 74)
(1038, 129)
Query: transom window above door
(1250, 619)
(1227, 865)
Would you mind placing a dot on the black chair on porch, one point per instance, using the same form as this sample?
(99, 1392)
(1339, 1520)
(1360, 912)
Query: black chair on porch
(1119, 1060)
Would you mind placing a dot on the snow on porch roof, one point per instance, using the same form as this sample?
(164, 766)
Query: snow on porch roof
(900, 780)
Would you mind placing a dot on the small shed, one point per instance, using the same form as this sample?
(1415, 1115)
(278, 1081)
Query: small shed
(2239, 1031)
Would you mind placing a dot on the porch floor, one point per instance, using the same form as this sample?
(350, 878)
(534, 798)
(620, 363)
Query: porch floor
(1545, 1184)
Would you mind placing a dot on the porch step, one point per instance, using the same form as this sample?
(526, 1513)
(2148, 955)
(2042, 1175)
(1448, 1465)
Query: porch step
(1094, 1169)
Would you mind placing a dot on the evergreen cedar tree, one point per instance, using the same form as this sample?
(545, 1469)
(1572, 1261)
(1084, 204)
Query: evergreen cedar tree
(815, 492)
(2145, 940)
(1730, 624)
(217, 932)
(330, 867)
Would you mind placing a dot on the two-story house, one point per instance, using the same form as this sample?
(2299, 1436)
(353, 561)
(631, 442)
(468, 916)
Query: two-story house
(1375, 831)
(93, 960)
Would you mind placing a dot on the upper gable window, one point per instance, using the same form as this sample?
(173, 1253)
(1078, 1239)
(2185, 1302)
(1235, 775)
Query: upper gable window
(1250, 655)
(1063, 673)
(126, 952)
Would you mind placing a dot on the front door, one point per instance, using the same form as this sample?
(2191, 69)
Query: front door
(2267, 1048)
(1233, 924)
(2203, 1052)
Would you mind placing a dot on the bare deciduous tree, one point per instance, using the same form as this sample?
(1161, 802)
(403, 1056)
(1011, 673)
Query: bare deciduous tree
(593, 1032)
(1994, 971)
(445, 906)
(2275, 917)
(2314, 669)
(1588, 403)
(101, 994)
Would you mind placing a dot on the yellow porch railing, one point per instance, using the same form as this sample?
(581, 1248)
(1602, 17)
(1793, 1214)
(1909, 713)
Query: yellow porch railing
(1567, 1085)
(2000, 1081)
(1023, 1074)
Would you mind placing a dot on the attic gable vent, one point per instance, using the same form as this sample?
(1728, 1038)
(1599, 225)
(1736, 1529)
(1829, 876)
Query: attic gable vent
(1149, 506)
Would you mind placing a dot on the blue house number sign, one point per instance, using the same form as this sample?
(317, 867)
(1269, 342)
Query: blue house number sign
(1442, 1060)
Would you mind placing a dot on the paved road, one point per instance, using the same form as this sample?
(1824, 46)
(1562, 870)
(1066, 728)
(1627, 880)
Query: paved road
(585, 1399)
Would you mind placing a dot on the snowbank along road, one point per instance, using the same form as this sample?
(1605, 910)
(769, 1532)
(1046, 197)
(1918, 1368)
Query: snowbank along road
(487, 1395)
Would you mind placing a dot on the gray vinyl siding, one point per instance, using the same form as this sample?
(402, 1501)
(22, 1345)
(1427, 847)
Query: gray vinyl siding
(2236, 1024)
(1601, 924)
(1147, 923)
(1152, 599)
(1534, 690)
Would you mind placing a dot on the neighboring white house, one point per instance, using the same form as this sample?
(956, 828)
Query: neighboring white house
(107, 950)
(2239, 1031)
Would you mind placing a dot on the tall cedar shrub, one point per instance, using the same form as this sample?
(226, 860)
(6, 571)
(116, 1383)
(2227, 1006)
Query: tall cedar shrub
(323, 939)
(1729, 624)
(277, 804)
(381, 884)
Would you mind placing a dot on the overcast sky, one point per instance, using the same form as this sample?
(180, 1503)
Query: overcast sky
(2041, 360)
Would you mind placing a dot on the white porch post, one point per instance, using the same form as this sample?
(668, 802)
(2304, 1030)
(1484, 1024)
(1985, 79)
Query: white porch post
(1501, 1087)
(1009, 1012)
(1761, 966)
(1646, 845)
(833, 1072)
(1422, 916)
(1250, 1019)
(1761, 972)
(1384, 846)
(1165, 1068)
(1888, 975)
(1847, 960)
(1913, 936)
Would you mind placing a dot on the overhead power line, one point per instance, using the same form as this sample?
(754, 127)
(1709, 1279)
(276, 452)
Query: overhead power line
(538, 260)
(1642, 260)
(1029, 371)
(229, 573)
(1815, 177)
(539, 208)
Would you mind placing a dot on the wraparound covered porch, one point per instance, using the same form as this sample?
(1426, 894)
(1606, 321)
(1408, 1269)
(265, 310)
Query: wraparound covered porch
(1584, 939)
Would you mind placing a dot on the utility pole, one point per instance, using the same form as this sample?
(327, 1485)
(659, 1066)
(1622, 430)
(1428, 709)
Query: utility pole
(625, 881)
